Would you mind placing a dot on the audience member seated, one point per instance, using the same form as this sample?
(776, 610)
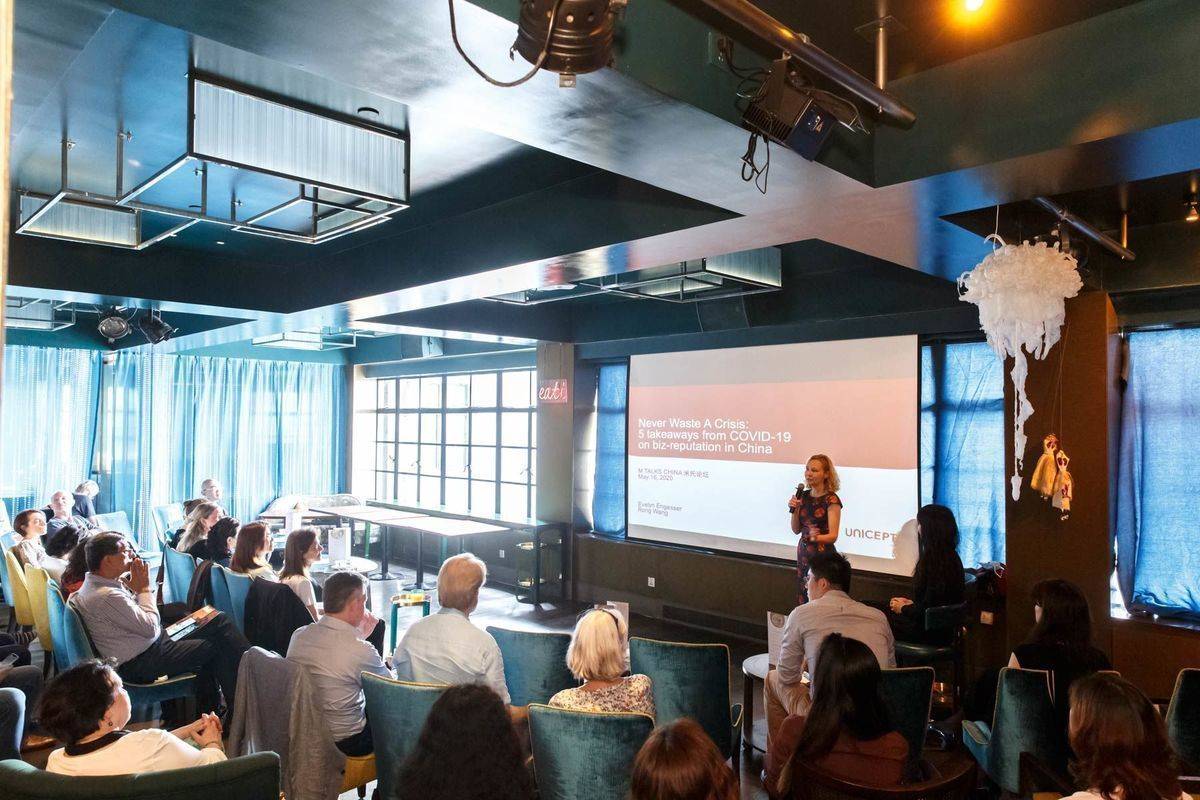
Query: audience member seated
(22, 676)
(846, 731)
(599, 656)
(300, 552)
(63, 516)
(75, 571)
(680, 762)
(446, 647)
(335, 653)
(30, 524)
(84, 505)
(829, 610)
(1061, 641)
(217, 544)
(1120, 743)
(937, 579)
(87, 708)
(251, 552)
(468, 750)
(125, 625)
(210, 490)
(195, 528)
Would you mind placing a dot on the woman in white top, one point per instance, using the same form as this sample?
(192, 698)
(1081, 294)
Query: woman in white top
(302, 549)
(30, 524)
(88, 708)
(1120, 743)
(599, 656)
(251, 552)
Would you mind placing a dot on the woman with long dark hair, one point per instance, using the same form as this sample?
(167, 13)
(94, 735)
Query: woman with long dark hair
(1061, 641)
(937, 580)
(847, 731)
(300, 552)
(679, 762)
(816, 516)
(1120, 743)
(251, 551)
(217, 544)
(468, 750)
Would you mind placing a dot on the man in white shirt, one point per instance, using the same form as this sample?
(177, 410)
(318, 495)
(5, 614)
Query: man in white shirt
(446, 647)
(335, 653)
(210, 490)
(829, 610)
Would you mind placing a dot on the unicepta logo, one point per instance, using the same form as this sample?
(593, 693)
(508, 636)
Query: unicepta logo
(864, 533)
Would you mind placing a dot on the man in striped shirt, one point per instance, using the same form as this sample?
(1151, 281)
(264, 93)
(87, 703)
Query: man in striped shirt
(127, 626)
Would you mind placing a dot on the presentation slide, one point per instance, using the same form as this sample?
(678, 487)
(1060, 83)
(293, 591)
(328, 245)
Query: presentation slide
(718, 441)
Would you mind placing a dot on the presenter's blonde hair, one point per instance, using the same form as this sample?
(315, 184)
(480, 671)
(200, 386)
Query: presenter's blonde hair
(459, 580)
(597, 650)
(832, 482)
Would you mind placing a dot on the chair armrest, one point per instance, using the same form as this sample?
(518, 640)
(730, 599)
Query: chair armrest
(981, 732)
(736, 715)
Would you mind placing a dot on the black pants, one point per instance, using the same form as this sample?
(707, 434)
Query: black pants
(358, 745)
(212, 651)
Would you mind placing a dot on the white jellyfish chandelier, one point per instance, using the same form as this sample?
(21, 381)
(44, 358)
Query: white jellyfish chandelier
(1021, 292)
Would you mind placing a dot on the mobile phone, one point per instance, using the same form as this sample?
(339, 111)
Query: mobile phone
(8, 661)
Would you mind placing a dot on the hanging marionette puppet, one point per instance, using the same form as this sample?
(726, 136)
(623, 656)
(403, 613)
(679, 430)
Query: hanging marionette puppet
(1044, 473)
(1064, 485)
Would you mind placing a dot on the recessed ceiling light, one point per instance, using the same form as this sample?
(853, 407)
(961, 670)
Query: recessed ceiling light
(368, 111)
(973, 5)
(219, 241)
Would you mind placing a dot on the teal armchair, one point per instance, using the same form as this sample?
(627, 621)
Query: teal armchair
(691, 680)
(218, 578)
(239, 590)
(253, 777)
(1183, 719)
(908, 694)
(1024, 722)
(56, 609)
(581, 754)
(535, 664)
(396, 711)
(180, 568)
(78, 646)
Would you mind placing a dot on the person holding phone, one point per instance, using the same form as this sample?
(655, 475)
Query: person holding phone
(87, 708)
(816, 515)
(127, 626)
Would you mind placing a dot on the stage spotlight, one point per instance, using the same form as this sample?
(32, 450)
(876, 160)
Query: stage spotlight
(113, 326)
(154, 329)
(582, 36)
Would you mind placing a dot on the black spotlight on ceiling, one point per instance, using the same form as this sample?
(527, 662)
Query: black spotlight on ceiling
(569, 37)
(154, 329)
(113, 325)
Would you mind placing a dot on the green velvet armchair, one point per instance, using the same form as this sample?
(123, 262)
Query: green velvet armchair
(908, 693)
(253, 777)
(580, 754)
(1024, 722)
(535, 664)
(691, 680)
(396, 711)
(1183, 719)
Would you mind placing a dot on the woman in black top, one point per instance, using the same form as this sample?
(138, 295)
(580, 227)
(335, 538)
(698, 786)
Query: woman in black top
(937, 579)
(1061, 641)
(217, 544)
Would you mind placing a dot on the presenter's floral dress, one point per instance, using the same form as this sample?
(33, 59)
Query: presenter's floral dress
(813, 513)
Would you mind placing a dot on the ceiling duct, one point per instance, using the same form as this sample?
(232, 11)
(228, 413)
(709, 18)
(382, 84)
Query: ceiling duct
(37, 315)
(347, 175)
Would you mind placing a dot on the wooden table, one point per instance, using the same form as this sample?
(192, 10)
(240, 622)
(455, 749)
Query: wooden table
(447, 528)
(754, 669)
(373, 515)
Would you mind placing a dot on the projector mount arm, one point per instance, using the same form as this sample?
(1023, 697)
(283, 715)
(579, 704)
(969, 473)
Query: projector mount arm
(799, 47)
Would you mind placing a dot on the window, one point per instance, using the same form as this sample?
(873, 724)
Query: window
(466, 441)
(1157, 505)
(962, 443)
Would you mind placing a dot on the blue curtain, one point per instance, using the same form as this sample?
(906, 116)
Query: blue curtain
(1157, 546)
(608, 499)
(962, 443)
(47, 424)
(261, 428)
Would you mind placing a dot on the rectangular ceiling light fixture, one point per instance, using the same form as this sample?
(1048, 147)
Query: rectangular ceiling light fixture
(306, 340)
(38, 315)
(78, 221)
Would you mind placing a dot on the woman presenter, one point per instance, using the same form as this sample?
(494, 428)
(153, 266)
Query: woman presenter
(816, 515)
